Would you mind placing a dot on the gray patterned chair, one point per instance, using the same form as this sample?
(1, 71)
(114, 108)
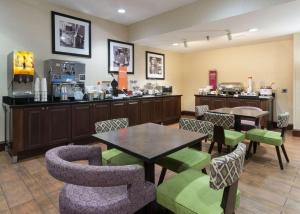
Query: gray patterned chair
(223, 123)
(271, 137)
(192, 192)
(200, 110)
(114, 156)
(188, 157)
(94, 188)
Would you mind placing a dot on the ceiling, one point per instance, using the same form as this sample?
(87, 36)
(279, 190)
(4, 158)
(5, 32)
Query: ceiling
(275, 22)
(275, 19)
(136, 10)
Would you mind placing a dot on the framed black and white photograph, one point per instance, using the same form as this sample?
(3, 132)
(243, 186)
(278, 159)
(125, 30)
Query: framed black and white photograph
(155, 66)
(120, 54)
(70, 35)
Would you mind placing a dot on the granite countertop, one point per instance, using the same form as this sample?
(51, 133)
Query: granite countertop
(8, 101)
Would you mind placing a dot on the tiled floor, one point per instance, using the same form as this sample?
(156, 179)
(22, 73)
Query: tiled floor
(26, 187)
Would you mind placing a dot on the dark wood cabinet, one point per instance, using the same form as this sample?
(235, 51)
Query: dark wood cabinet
(171, 109)
(247, 102)
(46, 126)
(146, 110)
(35, 129)
(81, 121)
(157, 111)
(100, 112)
(219, 103)
(119, 109)
(203, 101)
(134, 112)
(232, 102)
(59, 122)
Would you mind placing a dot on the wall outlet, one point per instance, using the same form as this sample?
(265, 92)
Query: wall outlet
(284, 90)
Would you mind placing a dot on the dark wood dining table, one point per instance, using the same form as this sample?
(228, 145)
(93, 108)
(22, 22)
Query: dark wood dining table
(149, 142)
(240, 113)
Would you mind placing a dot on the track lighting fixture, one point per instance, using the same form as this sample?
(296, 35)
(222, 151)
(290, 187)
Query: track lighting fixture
(185, 44)
(229, 36)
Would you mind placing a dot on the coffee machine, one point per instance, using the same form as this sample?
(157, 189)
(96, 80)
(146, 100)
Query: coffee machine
(20, 74)
(64, 78)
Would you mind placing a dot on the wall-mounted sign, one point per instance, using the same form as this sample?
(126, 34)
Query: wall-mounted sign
(212, 78)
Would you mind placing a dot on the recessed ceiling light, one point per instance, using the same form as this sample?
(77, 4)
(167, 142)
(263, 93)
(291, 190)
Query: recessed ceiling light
(175, 44)
(121, 10)
(253, 30)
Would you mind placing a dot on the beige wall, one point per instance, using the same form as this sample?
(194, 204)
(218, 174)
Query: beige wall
(265, 62)
(173, 68)
(296, 81)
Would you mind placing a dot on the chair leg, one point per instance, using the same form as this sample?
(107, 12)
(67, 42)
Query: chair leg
(285, 154)
(254, 147)
(211, 147)
(219, 148)
(162, 175)
(279, 157)
(249, 150)
(228, 149)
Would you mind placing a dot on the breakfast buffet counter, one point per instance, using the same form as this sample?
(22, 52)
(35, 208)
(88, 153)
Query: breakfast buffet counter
(31, 127)
(219, 101)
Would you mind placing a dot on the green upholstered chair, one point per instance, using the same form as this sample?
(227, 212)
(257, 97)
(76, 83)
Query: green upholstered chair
(223, 123)
(192, 192)
(188, 157)
(270, 137)
(200, 110)
(115, 156)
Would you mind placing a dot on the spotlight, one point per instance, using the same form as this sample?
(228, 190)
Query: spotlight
(251, 30)
(121, 10)
(185, 44)
(175, 44)
(229, 36)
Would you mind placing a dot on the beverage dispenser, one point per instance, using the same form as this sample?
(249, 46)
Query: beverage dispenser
(64, 78)
(20, 74)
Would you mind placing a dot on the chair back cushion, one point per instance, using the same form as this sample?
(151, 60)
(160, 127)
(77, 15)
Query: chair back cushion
(226, 170)
(111, 125)
(283, 120)
(200, 110)
(203, 127)
(224, 120)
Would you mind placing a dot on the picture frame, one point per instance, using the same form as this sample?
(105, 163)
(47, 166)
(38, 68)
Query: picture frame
(71, 35)
(155, 66)
(120, 53)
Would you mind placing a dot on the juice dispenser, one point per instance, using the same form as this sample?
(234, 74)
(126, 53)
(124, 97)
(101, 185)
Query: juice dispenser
(20, 74)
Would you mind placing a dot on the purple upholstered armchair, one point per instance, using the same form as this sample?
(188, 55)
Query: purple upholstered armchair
(94, 188)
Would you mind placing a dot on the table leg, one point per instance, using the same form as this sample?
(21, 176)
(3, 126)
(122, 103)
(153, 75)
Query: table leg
(237, 123)
(149, 172)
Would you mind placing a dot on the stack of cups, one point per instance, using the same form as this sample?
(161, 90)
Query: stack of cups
(44, 90)
(37, 94)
